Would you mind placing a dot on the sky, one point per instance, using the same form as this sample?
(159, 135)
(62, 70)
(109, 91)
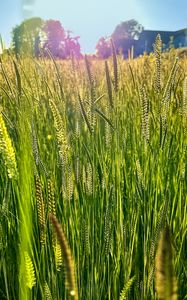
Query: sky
(93, 19)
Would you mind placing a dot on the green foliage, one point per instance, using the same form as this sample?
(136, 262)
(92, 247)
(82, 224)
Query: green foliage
(127, 30)
(35, 37)
(103, 150)
(25, 35)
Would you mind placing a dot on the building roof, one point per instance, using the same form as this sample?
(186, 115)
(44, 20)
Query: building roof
(150, 35)
(147, 39)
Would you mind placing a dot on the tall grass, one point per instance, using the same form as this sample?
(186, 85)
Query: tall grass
(101, 146)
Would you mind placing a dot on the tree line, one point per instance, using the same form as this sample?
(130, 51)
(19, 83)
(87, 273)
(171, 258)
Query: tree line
(127, 31)
(37, 37)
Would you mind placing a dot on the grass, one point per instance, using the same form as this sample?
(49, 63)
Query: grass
(101, 146)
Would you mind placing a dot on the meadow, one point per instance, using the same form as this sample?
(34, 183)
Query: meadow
(101, 146)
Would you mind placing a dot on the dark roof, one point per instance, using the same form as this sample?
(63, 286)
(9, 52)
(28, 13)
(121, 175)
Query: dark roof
(150, 35)
(147, 39)
(182, 30)
(150, 32)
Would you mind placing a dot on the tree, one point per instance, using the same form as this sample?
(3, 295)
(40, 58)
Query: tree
(55, 38)
(60, 42)
(72, 46)
(127, 30)
(103, 48)
(34, 35)
(25, 35)
(17, 39)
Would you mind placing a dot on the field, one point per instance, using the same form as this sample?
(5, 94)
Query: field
(101, 146)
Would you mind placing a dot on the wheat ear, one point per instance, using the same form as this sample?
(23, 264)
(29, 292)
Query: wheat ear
(68, 259)
(165, 281)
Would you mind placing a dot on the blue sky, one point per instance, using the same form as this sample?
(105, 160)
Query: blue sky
(96, 18)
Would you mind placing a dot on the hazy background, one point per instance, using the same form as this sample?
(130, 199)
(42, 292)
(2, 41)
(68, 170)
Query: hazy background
(93, 19)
